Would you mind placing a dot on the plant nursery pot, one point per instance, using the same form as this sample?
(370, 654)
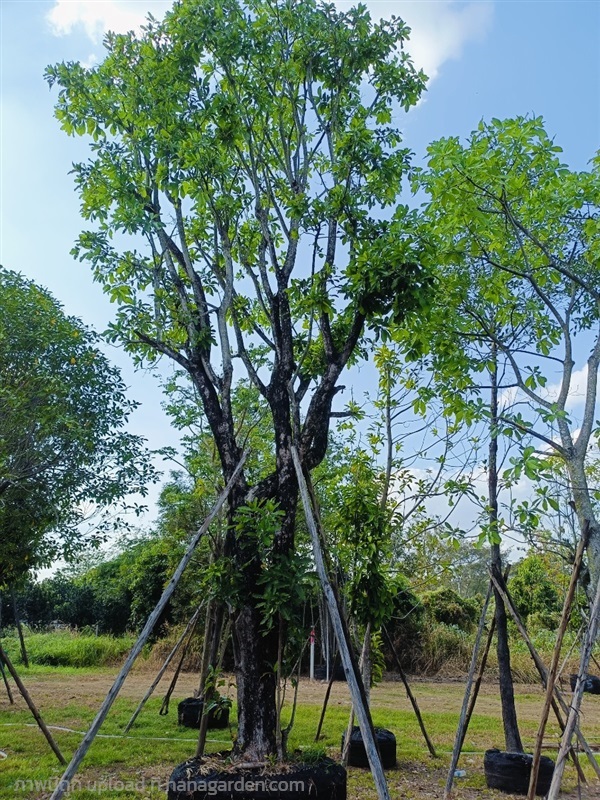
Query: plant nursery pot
(321, 673)
(357, 755)
(189, 714)
(323, 781)
(510, 772)
(591, 684)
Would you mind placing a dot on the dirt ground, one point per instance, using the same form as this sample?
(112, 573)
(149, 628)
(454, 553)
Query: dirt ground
(434, 696)
(414, 778)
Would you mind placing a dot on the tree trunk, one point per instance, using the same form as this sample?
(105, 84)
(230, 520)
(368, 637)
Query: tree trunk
(256, 650)
(586, 516)
(256, 655)
(507, 694)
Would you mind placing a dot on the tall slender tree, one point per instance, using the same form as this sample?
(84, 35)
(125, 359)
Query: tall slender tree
(516, 236)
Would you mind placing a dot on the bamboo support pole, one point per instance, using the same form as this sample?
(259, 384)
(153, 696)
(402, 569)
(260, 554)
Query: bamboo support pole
(11, 699)
(481, 672)
(463, 712)
(164, 709)
(553, 670)
(336, 661)
(586, 651)
(558, 697)
(32, 707)
(208, 696)
(478, 680)
(409, 693)
(189, 629)
(79, 754)
(206, 640)
(350, 728)
(17, 617)
(348, 658)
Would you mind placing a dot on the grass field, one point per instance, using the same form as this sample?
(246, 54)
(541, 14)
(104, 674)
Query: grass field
(137, 766)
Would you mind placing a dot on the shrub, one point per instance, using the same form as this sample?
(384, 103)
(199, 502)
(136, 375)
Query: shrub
(405, 627)
(447, 607)
(543, 620)
(445, 647)
(532, 590)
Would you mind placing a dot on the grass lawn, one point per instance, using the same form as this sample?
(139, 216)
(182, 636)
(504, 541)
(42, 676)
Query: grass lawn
(137, 766)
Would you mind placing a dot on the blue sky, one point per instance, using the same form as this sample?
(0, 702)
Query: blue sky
(485, 59)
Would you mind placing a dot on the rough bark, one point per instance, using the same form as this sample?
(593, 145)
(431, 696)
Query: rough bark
(256, 653)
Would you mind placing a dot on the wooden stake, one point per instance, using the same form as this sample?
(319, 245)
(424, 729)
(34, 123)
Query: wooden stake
(11, 699)
(553, 671)
(190, 627)
(409, 693)
(336, 661)
(79, 754)
(350, 728)
(463, 712)
(353, 676)
(164, 709)
(206, 640)
(212, 662)
(19, 628)
(4, 678)
(586, 651)
(477, 684)
(481, 671)
(559, 699)
(36, 714)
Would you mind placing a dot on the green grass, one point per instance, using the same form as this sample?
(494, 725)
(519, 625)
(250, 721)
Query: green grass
(66, 649)
(137, 766)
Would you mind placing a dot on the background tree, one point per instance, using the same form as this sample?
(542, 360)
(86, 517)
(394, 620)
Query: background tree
(517, 236)
(63, 410)
(248, 149)
(515, 240)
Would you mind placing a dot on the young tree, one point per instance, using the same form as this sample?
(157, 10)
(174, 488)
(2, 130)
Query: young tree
(517, 237)
(248, 149)
(63, 408)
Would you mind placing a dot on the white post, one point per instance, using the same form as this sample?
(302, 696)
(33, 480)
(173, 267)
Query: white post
(312, 655)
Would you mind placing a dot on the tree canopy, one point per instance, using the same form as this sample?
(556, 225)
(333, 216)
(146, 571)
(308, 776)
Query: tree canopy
(63, 442)
(515, 234)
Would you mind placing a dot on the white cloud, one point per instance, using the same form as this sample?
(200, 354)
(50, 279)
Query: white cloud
(95, 17)
(440, 29)
(577, 391)
(575, 398)
(90, 61)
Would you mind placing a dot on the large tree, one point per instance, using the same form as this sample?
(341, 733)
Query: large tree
(63, 447)
(247, 149)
